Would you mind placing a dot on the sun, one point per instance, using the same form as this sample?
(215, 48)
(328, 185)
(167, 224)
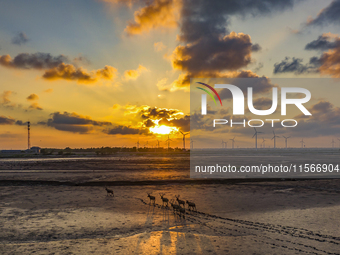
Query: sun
(163, 130)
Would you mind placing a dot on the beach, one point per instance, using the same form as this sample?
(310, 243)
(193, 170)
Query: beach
(69, 212)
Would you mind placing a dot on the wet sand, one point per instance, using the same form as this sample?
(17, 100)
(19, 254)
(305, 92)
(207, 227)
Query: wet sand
(297, 217)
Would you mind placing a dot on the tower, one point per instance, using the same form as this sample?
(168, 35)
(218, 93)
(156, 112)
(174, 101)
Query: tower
(28, 135)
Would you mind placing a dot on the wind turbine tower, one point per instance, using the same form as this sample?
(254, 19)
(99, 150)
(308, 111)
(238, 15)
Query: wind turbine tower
(232, 142)
(168, 140)
(286, 138)
(302, 143)
(256, 137)
(184, 134)
(274, 137)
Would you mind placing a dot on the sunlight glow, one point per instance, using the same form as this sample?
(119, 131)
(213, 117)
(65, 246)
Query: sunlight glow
(163, 130)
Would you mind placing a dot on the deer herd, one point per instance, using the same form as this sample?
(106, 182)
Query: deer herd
(178, 205)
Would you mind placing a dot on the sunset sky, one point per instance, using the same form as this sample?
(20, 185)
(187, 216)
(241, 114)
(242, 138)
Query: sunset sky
(92, 73)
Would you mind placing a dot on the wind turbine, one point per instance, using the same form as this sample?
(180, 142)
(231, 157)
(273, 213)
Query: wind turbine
(333, 143)
(263, 143)
(191, 144)
(225, 144)
(233, 141)
(286, 138)
(274, 137)
(222, 144)
(146, 145)
(184, 134)
(256, 137)
(168, 140)
(137, 143)
(302, 143)
(157, 143)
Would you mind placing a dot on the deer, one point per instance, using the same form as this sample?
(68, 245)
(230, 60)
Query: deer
(191, 205)
(174, 206)
(180, 202)
(164, 199)
(182, 211)
(152, 198)
(109, 192)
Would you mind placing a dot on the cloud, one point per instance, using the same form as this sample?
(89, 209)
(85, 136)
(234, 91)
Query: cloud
(324, 42)
(159, 46)
(260, 84)
(328, 15)
(147, 116)
(294, 65)
(231, 52)
(210, 57)
(48, 90)
(6, 121)
(325, 120)
(57, 67)
(70, 72)
(5, 101)
(20, 123)
(20, 38)
(326, 64)
(73, 122)
(35, 106)
(32, 97)
(134, 74)
(125, 130)
(32, 61)
(210, 49)
(156, 14)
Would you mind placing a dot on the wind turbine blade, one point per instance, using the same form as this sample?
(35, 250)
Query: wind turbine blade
(254, 135)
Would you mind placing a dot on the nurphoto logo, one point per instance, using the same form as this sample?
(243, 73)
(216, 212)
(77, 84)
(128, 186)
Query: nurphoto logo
(239, 102)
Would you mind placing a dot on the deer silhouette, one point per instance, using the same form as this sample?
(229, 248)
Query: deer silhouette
(152, 198)
(109, 192)
(164, 199)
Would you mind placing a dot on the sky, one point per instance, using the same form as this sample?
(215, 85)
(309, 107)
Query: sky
(93, 73)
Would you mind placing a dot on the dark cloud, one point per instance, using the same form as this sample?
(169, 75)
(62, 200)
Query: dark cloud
(262, 103)
(72, 122)
(259, 84)
(57, 67)
(328, 15)
(231, 52)
(182, 123)
(70, 72)
(324, 42)
(6, 121)
(125, 130)
(157, 113)
(20, 123)
(32, 61)
(295, 65)
(20, 39)
(209, 47)
(325, 120)
(326, 64)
